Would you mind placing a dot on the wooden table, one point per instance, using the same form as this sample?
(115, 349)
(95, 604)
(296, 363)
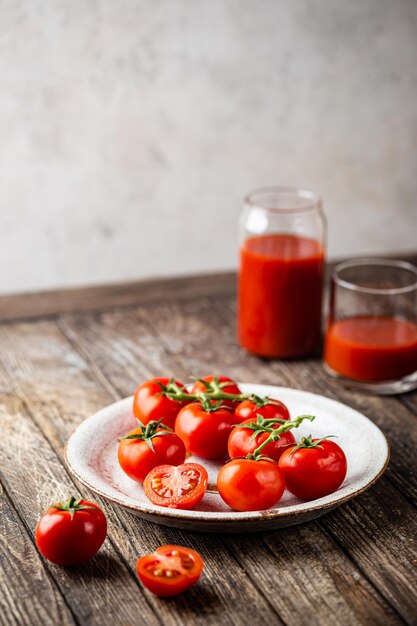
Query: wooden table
(64, 355)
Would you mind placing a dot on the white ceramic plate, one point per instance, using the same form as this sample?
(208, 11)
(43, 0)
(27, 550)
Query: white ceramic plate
(91, 454)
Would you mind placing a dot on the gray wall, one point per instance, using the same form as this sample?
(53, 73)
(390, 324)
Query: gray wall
(130, 129)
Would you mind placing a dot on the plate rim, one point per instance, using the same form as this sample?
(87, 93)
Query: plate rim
(254, 516)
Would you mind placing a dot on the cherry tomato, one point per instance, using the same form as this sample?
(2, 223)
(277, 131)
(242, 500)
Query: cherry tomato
(144, 448)
(179, 487)
(247, 485)
(244, 441)
(71, 532)
(272, 409)
(314, 468)
(205, 428)
(210, 384)
(170, 570)
(150, 402)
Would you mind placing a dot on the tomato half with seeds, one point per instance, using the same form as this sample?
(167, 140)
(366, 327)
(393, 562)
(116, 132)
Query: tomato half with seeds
(179, 487)
(313, 468)
(71, 532)
(170, 570)
(267, 407)
(151, 402)
(243, 441)
(147, 447)
(249, 485)
(211, 384)
(204, 428)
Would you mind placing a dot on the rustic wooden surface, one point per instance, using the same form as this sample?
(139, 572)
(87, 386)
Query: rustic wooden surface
(86, 348)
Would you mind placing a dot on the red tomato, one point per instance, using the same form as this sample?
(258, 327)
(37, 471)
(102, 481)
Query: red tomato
(313, 471)
(150, 403)
(205, 428)
(210, 384)
(243, 442)
(274, 409)
(170, 570)
(144, 448)
(71, 532)
(247, 485)
(179, 487)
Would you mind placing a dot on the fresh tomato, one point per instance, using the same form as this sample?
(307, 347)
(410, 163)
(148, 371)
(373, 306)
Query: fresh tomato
(148, 446)
(211, 384)
(244, 441)
(71, 532)
(150, 402)
(248, 485)
(180, 487)
(267, 407)
(204, 427)
(170, 570)
(313, 468)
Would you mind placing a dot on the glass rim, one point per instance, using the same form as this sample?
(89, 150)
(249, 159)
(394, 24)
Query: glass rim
(346, 284)
(313, 200)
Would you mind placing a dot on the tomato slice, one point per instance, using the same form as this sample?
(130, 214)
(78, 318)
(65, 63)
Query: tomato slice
(180, 487)
(169, 570)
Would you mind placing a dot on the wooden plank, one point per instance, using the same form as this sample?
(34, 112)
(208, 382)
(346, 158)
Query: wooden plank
(32, 473)
(32, 600)
(57, 389)
(98, 298)
(310, 557)
(134, 293)
(410, 400)
(381, 539)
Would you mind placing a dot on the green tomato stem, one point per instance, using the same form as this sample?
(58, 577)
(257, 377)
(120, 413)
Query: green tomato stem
(276, 432)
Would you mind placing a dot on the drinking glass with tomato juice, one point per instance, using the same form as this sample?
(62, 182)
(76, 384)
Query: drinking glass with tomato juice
(281, 272)
(371, 338)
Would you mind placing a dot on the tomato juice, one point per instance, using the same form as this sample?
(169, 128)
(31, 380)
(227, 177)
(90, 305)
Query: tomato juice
(372, 348)
(280, 295)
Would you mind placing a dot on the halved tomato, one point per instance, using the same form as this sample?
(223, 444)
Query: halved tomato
(180, 487)
(170, 570)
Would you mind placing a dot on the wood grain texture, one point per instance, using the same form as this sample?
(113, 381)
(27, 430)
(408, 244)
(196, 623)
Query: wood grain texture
(20, 565)
(162, 349)
(99, 298)
(134, 293)
(355, 566)
(57, 396)
(101, 587)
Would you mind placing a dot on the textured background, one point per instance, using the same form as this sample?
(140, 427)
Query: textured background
(130, 130)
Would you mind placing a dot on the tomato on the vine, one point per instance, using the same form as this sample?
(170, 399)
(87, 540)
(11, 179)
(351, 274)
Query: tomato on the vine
(204, 427)
(249, 485)
(71, 531)
(148, 446)
(169, 570)
(211, 384)
(244, 441)
(267, 407)
(313, 468)
(151, 402)
(180, 487)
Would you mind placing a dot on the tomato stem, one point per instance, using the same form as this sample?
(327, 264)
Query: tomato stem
(152, 429)
(307, 442)
(275, 433)
(72, 505)
(180, 396)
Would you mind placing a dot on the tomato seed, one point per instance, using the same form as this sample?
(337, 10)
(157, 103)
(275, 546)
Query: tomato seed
(158, 572)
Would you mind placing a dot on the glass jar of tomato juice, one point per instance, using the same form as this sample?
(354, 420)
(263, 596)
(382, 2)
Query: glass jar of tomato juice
(281, 272)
